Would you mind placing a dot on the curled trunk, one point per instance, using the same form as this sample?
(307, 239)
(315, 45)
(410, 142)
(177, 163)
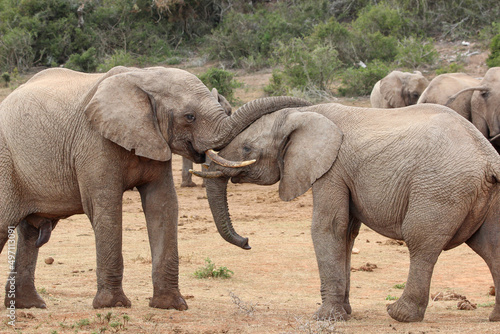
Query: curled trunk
(217, 198)
(230, 126)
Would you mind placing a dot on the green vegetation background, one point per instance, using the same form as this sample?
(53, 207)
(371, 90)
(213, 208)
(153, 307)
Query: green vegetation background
(311, 43)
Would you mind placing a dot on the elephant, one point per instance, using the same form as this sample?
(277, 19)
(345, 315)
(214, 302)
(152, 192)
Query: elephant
(422, 174)
(485, 102)
(72, 143)
(398, 89)
(442, 87)
(187, 180)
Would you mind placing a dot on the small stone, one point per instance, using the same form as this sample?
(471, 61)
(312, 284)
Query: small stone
(49, 260)
(355, 250)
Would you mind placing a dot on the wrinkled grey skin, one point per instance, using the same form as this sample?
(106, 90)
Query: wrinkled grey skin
(398, 89)
(422, 174)
(187, 177)
(442, 87)
(72, 143)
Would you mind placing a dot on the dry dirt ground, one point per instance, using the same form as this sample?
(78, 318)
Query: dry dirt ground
(275, 286)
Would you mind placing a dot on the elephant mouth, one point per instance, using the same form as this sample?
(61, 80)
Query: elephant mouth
(195, 155)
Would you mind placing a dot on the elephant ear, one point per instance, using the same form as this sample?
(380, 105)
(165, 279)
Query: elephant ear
(391, 88)
(125, 113)
(310, 144)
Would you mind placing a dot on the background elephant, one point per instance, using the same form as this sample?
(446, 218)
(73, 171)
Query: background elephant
(485, 105)
(187, 177)
(422, 174)
(442, 87)
(398, 89)
(72, 143)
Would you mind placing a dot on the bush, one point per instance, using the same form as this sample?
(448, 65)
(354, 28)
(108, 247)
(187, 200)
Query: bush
(16, 50)
(307, 66)
(382, 18)
(415, 51)
(211, 271)
(360, 81)
(494, 57)
(222, 80)
(118, 58)
(85, 62)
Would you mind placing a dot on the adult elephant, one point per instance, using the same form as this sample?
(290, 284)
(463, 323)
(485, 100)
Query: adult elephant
(72, 143)
(187, 177)
(422, 174)
(442, 87)
(485, 105)
(398, 89)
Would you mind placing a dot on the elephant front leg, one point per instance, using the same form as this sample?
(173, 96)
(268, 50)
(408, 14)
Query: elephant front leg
(20, 291)
(352, 233)
(187, 177)
(159, 202)
(107, 224)
(331, 238)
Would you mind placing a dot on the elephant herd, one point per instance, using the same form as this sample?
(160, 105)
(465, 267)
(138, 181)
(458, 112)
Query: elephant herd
(477, 100)
(420, 166)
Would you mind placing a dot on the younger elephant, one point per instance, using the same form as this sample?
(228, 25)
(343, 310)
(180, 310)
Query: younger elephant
(187, 177)
(485, 102)
(422, 174)
(398, 89)
(442, 87)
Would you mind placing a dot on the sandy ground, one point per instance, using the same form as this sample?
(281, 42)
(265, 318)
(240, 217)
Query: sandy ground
(275, 285)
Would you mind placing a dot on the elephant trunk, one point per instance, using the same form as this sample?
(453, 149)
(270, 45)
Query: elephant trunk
(452, 98)
(230, 126)
(217, 198)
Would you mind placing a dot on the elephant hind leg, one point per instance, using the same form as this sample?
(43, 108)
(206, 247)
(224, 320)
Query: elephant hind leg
(424, 251)
(20, 289)
(486, 243)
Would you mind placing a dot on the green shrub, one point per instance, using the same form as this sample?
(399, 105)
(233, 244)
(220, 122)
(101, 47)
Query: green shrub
(307, 66)
(16, 50)
(494, 57)
(222, 80)
(360, 81)
(277, 84)
(86, 62)
(339, 36)
(211, 271)
(382, 18)
(118, 58)
(415, 51)
(450, 68)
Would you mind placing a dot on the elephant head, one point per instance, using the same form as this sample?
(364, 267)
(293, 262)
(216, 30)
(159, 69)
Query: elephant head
(485, 105)
(285, 149)
(159, 111)
(398, 89)
(444, 86)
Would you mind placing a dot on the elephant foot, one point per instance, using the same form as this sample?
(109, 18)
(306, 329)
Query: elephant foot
(172, 300)
(405, 311)
(347, 307)
(332, 312)
(110, 298)
(23, 298)
(188, 184)
(495, 315)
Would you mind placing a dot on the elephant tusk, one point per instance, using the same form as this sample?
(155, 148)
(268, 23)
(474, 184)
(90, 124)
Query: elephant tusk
(227, 163)
(494, 138)
(207, 174)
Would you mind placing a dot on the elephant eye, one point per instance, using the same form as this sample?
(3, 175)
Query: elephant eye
(485, 94)
(247, 149)
(190, 117)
